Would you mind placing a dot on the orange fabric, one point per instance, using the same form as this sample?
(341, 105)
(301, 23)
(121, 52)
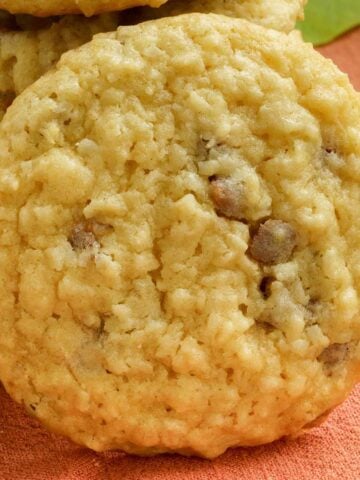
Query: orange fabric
(332, 451)
(346, 54)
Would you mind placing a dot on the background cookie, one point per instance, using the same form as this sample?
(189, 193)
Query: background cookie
(178, 271)
(26, 55)
(278, 14)
(59, 7)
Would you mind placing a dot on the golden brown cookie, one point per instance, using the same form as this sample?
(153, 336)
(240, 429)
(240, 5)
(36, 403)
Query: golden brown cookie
(278, 14)
(179, 238)
(44, 8)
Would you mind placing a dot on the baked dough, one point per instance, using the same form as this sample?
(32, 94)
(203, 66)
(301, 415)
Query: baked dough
(278, 14)
(29, 51)
(44, 8)
(179, 238)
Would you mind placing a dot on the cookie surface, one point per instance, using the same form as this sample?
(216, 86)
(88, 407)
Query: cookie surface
(43, 8)
(27, 54)
(278, 14)
(178, 270)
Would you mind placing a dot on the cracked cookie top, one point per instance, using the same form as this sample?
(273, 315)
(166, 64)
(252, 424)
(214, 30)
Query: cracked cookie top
(44, 8)
(179, 238)
(278, 14)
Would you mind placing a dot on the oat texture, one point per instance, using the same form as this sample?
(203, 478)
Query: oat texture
(278, 14)
(28, 53)
(179, 238)
(43, 8)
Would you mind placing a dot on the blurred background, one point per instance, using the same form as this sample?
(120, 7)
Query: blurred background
(334, 27)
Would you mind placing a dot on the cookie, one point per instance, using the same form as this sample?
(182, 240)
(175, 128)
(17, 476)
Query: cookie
(44, 8)
(27, 54)
(179, 249)
(278, 14)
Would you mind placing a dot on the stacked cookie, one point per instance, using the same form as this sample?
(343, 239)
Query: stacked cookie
(30, 46)
(179, 237)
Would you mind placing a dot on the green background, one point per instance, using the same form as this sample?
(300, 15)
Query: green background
(327, 19)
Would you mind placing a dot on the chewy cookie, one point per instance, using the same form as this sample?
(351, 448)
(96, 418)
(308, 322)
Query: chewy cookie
(43, 8)
(27, 54)
(278, 14)
(179, 258)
